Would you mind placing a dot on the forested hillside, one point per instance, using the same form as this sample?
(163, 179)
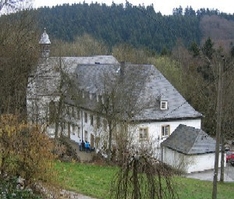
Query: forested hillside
(135, 25)
(188, 41)
(193, 49)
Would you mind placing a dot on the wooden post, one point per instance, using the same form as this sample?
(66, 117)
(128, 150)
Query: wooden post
(218, 132)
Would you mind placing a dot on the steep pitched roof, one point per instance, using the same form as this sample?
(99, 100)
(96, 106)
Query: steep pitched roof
(189, 140)
(71, 63)
(155, 86)
(151, 84)
(46, 78)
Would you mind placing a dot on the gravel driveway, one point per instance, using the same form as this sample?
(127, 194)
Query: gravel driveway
(208, 175)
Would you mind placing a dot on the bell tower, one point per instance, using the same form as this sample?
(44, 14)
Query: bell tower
(45, 44)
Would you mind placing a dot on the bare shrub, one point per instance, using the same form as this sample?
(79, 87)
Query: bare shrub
(142, 176)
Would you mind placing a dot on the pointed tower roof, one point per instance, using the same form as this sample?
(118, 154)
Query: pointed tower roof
(44, 38)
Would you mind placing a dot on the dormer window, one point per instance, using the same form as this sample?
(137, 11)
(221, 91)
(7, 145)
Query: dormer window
(94, 96)
(163, 105)
(99, 98)
(90, 96)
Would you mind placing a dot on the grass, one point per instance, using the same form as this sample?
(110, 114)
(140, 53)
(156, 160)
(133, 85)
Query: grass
(92, 180)
(189, 188)
(95, 180)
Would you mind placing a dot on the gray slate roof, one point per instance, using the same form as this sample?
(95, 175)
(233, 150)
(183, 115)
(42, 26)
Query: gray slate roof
(69, 64)
(189, 140)
(47, 75)
(156, 86)
(89, 71)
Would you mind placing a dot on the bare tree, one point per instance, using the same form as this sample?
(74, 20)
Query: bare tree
(18, 54)
(121, 100)
(142, 176)
(13, 6)
(53, 85)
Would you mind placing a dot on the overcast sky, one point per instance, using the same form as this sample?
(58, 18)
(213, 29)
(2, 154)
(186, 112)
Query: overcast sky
(164, 6)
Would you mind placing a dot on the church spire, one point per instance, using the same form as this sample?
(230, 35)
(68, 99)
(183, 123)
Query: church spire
(45, 44)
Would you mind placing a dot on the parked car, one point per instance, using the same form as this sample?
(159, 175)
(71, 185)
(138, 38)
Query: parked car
(229, 156)
(227, 147)
(232, 162)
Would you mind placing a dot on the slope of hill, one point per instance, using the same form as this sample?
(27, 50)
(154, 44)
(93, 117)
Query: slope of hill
(136, 25)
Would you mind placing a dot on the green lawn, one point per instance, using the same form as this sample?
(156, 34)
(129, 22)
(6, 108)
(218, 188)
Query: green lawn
(96, 181)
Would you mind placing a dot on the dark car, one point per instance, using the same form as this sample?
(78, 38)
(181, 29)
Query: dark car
(232, 162)
(229, 156)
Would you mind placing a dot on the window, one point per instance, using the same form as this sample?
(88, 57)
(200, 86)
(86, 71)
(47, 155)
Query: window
(163, 105)
(78, 114)
(165, 130)
(98, 121)
(90, 96)
(87, 94)
(91, 120)
(94, 96)
(52, 112)
(73, 129)
(73, 112)
(68, 110)
(64, 125)
(79, 132)
(143, 134)
(85, 117)
(104, 124)
(99, 98)
(69, 128)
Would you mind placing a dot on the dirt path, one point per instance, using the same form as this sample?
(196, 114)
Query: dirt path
(72, 195)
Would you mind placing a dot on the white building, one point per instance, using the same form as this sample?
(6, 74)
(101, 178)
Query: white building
(84, 86)
(189, 149)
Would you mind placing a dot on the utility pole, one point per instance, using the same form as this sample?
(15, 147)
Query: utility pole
(218, 131)
(222, 133)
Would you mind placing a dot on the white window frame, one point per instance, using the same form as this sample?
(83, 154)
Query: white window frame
(163, 104)
(165, 130)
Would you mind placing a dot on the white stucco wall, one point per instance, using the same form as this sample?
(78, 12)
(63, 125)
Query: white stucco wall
(38, 108)
(189, 163)
(155, 127)
(78, 127)
(81, 127)
(154, 131)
